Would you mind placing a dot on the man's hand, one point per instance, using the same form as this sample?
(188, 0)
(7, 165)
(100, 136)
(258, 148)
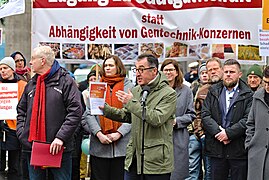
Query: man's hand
(174, 122)
(222, 136)
(114, 136)
(124, 97)
(56, 146)
(103, 138)
(101, 107)
(226, 142)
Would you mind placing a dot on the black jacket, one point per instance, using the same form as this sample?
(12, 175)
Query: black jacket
(63, 109)
(211, 118)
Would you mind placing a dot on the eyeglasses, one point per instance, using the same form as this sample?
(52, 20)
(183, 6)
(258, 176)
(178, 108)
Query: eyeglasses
(141, 70)
(19, 60)
(169, 70)
(266, 82)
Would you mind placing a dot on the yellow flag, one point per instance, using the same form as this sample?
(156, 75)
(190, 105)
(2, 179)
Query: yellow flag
(265, 15)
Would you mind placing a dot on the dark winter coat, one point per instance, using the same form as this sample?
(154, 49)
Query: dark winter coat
(211, 118)
(63, 109)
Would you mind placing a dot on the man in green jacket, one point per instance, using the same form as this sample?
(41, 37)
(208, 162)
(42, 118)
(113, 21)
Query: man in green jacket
(160, 113)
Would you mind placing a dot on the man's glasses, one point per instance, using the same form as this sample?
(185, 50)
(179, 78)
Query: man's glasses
(141, 70)
(19, 60)
(169, 70)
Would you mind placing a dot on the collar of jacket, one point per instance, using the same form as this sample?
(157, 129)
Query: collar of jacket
(259, 94)
(243, 89)
(159, 82)
(61, 72)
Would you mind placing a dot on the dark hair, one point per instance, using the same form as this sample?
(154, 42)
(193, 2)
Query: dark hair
(18, 52)
(179, 77)
(119, 65)
(266, 72)
(214, 59)
(152, 60)
(229, 62)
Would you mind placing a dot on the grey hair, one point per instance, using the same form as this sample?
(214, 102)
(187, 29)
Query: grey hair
(214, 59)
(46, 52)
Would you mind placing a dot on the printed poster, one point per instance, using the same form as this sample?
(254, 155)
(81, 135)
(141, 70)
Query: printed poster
(264, 42)
(8, 100)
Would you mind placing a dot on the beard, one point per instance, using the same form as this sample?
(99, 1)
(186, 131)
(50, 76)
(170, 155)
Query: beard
(214, 79)
(230, 84)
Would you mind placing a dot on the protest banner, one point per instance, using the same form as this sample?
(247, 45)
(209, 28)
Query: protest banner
(183, 30)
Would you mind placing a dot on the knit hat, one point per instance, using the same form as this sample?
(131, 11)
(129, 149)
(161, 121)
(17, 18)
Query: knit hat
(202, 68)
(9, 61)
(193, 65)
(17, 52)
(92, 73)
(255, 70)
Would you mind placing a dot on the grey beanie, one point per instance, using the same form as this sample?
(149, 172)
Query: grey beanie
(202, 68)
(9, 61)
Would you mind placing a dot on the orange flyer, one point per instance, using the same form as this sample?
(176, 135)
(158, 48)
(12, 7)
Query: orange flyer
(97, 90)
(97, 97)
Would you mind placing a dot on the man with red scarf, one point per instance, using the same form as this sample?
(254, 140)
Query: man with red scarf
(49, 111)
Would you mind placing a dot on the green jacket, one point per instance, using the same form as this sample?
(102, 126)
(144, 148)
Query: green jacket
(160, 113)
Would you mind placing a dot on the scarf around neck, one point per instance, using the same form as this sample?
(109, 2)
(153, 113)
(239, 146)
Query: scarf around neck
(23, 71)
(115, 83)
(38, 118)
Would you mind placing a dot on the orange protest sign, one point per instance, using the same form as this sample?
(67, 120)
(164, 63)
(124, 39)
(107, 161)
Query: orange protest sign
(265, 15)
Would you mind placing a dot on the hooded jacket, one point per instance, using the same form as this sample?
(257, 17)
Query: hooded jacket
(27, 75)
(160, 113)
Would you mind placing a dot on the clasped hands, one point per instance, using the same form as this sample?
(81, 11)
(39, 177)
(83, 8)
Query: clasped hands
(108, 138)
(222, 136)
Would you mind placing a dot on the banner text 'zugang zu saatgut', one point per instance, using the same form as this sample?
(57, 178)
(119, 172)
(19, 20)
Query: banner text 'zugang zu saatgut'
(177, 4)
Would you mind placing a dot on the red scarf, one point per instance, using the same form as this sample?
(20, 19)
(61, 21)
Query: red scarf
(116, 83)
(23, 71)
(37, 123)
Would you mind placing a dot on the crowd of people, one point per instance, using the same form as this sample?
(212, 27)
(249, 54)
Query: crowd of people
(159, 129)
